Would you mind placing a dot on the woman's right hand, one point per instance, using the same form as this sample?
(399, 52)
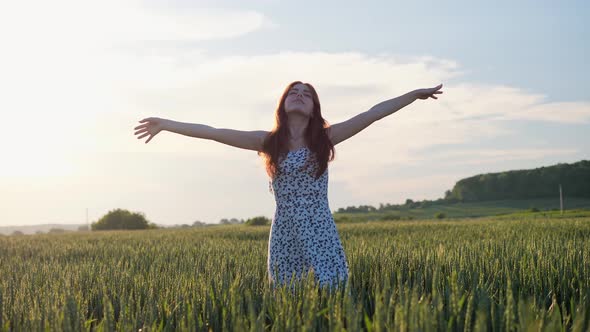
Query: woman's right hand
(151, 126)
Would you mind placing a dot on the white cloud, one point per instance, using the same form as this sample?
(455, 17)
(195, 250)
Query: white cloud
(397, 189)
(60, 23)
(480, 157)
(484, 102)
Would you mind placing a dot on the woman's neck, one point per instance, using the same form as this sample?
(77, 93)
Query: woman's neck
(297, 125)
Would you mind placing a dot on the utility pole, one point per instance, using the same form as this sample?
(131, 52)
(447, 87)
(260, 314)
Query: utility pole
(560, 199)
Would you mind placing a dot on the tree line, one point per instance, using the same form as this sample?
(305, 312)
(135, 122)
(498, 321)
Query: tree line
(522, 184)
(540, 182)
(124, 219)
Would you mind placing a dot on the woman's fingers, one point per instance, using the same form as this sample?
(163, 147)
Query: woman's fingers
(148, 120)
(144, 129)
(429, 93)
(141, 131)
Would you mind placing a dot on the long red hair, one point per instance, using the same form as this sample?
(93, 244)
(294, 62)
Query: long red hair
(316, 138)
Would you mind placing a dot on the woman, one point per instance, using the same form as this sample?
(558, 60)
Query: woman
(303, 236)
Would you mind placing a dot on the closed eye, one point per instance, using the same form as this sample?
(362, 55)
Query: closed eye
(305, 94)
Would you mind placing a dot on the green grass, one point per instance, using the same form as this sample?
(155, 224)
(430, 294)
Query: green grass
(483, 274)
(468, 210)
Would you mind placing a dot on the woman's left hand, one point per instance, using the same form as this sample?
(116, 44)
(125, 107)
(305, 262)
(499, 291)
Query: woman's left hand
(425, 93)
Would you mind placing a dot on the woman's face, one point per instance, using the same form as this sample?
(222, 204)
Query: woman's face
(299, 99)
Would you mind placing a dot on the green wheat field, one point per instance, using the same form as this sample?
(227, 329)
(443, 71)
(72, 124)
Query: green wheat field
(488, 274)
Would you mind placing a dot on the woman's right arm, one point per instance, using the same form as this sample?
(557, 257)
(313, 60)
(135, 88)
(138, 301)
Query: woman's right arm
(250, 140)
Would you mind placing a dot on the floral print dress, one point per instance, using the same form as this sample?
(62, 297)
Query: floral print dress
(303, 234)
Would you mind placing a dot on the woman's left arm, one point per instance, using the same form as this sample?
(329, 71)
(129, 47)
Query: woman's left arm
(344, 130)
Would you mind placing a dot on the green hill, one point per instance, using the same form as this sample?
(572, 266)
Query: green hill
(520, 184)
(468, 209)
(491, 194)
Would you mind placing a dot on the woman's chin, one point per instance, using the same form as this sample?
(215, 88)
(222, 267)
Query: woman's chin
(297, 111)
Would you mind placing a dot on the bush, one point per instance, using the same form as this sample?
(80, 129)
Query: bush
(440, 215)
(258, 221)
(122, 219)
(534, 209)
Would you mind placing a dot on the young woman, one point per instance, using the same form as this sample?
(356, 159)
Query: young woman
(303, 236)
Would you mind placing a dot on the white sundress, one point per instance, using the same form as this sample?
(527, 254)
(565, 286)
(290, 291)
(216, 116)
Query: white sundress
(303, 234)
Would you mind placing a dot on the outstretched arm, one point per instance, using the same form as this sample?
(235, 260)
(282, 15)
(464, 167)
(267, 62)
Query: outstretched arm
(344, 130)
(250, 140)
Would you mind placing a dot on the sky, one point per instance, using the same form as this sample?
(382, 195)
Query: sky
(78, 76)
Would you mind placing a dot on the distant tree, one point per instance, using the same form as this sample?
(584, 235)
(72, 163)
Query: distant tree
(448, 194)
(359, 209)
(534, 209)
(56, 231)
(17, 233)
(453, 200)
(122, 219)
(198, 223)
(528, 183)
(83, 228)
(231, 221)
(258, 221)
(39, 232)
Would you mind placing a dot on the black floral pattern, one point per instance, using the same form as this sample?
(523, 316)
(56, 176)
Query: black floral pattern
(303, 234)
